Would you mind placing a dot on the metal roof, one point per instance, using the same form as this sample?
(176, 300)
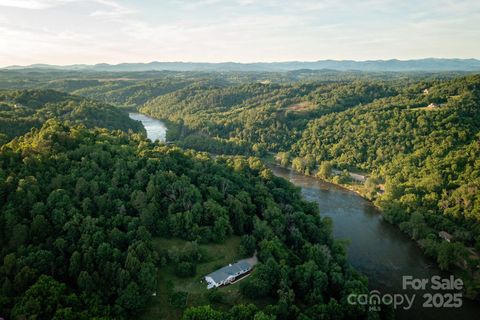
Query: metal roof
(230, 270)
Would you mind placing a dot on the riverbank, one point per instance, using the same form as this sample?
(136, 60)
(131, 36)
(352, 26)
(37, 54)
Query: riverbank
(378, 249)
(156, 129)
(357, 189)
(460, 268)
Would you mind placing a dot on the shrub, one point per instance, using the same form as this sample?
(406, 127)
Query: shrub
(185, 269)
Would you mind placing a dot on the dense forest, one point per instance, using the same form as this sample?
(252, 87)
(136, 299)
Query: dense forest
(269, 117)
(22, 110)
(421, 151)
(84, 195)
(79, 208)
(416, 139)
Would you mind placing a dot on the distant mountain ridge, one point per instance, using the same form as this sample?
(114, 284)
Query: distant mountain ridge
(427, 64)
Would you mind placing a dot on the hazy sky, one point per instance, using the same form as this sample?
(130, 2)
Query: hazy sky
(113, 31)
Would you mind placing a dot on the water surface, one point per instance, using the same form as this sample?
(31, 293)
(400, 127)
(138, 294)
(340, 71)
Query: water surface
(156, 129)
(376, 248)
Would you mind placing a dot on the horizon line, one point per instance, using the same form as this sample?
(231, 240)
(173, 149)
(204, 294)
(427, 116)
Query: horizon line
(235, 62)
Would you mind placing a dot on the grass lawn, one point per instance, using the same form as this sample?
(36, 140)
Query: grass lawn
(218, 255)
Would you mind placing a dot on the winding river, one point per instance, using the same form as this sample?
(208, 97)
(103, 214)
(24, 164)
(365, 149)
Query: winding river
(156, 129)
(376, 248)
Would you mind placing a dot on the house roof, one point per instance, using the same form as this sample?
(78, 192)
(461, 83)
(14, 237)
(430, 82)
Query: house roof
(230, 270)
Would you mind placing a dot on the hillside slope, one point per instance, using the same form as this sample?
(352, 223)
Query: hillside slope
(25, 109)
(79, 208)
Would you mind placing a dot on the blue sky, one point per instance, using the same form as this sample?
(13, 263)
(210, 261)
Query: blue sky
(114, 31)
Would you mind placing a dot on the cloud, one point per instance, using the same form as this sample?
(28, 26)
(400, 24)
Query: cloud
(114, 11)
(33, 4)
(109, 8)
(90, 31)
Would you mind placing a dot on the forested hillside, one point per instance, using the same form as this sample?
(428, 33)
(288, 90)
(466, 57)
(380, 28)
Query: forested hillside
(25, 109)
(418, 140)
(427, 158)
(79, 209)
(259, 117)
(130, 94)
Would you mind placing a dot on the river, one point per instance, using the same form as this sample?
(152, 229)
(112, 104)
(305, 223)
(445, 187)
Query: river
(376, 248)
(156, 129)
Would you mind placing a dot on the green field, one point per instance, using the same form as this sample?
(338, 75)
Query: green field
(215, 257)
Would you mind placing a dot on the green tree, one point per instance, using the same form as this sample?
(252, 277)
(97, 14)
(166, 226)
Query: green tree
(248, 245)
(202, 313)
(325, 170)
(283, 158)
(185, 269)
(44, 299)
(298, 164)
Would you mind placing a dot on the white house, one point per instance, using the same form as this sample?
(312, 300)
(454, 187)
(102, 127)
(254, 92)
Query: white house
(227, 274)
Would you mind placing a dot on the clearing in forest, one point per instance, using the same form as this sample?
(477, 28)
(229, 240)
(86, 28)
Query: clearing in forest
(175, 293)
(301, 106)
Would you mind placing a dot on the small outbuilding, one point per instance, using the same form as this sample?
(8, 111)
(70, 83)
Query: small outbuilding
(445, 236)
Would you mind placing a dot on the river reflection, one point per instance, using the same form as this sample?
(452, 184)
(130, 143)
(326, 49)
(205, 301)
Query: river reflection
(376, 248)
(156, 129)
